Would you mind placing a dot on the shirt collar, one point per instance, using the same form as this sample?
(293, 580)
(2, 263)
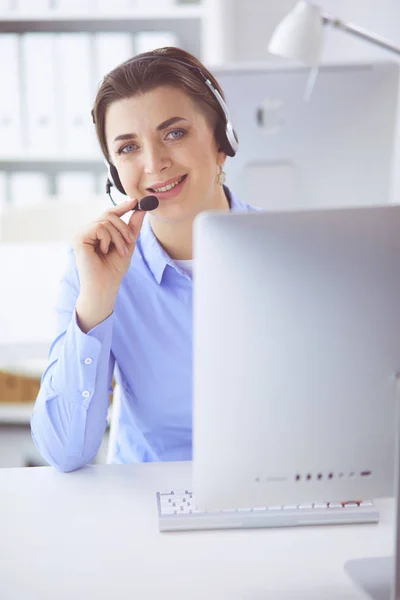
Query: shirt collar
(155, 256)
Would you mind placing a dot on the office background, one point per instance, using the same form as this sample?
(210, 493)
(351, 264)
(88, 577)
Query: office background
(53, 54)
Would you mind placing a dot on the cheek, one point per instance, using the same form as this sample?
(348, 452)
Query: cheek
(129, 174)
(201, 159)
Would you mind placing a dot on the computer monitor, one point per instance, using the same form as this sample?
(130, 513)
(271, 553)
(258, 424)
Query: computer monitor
(337, 149)
(296, 355)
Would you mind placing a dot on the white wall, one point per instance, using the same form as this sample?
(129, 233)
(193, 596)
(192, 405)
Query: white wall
(254, 21)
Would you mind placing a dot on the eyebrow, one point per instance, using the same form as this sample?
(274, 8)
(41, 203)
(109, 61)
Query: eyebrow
(160, 127)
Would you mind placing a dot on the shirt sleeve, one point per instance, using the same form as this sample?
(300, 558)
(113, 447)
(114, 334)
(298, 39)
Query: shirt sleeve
(70, 413)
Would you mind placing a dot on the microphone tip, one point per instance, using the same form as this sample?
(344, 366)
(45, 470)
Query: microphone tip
(148, 203)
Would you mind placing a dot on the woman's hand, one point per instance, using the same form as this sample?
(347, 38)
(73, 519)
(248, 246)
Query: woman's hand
(103, 254)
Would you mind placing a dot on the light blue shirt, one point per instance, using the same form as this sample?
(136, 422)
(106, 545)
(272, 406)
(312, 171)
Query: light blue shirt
(146, 343)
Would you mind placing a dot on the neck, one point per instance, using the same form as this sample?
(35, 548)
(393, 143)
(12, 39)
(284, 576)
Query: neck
(176, 237)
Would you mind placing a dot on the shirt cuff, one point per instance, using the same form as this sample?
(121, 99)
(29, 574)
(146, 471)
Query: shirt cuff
(81, 356)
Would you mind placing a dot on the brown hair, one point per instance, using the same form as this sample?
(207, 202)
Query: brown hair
(140, 74)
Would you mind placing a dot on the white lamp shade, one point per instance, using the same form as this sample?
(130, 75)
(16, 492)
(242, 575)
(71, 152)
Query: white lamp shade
(300, 35)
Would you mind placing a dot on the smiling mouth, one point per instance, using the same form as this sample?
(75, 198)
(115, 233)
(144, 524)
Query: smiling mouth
(169, 186)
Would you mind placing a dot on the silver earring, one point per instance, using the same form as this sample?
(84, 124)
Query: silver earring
(221, 176)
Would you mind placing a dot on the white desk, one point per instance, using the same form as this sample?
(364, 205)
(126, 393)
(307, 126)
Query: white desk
(93, 534)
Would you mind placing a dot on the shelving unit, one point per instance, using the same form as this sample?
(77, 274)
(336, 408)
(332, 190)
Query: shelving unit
(15, 414)
(185, 22)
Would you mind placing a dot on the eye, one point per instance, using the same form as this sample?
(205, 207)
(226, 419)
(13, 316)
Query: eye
(127, 149)
(175, 134)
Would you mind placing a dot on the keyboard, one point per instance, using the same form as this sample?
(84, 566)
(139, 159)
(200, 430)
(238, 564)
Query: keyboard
(177, 512)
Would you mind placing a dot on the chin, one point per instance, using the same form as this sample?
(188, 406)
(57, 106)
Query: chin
(176, 211)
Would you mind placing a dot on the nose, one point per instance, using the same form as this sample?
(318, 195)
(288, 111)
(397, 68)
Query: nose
(155, 159)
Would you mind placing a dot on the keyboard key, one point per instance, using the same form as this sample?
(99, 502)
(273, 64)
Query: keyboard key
(169, 511)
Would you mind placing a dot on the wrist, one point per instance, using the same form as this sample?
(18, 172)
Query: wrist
(93, 309)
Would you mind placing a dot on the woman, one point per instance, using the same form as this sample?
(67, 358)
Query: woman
(125, 303)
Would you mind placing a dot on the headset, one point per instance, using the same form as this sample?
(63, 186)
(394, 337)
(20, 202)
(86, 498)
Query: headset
(227, 135)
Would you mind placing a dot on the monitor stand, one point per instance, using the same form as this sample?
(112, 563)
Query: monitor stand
(374, 576)
(380, 577)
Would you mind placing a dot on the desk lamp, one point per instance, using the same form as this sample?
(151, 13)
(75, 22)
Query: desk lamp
(300, 35)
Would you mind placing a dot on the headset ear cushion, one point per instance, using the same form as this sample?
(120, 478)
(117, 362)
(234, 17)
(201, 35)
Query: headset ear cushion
(222, 140)
(116, 180)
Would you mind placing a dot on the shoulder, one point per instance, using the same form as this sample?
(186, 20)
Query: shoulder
(237, 205)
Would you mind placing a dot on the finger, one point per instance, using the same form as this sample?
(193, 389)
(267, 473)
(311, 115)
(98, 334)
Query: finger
(121, 226)
(93, 236)
(123, 208)
(102, 235)
(135, 222)
(113, 236)
(116, 239)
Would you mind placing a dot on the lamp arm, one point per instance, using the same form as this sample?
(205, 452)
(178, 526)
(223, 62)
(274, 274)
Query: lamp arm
(362, 33)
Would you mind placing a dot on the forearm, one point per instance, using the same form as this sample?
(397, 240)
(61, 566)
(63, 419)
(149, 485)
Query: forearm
(93, 308)
(67, 435)
(70, 414)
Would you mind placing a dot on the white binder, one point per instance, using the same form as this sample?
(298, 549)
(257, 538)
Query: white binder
(112, 7)
(146, 41)
(28, 188)
(33, 7)
(78, 186)
(39, 85)
(10, 96)
(3, 191)
(75, 94)
(111, 49)
(156, 6)
(73, 7)
(5, 8)
(101, 180)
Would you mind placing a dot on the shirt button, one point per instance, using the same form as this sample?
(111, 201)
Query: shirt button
(88, 361)
(86, 394)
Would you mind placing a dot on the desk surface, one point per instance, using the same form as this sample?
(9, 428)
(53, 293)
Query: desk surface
(94, 534)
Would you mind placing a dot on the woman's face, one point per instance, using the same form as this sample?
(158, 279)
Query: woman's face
(162, 144)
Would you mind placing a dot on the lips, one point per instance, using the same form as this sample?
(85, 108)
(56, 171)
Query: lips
(166, 186)
(170, 193)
